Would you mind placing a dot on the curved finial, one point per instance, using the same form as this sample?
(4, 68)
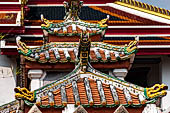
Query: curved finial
(102, 23)
(156, 91)
(137, 38)
(18, 38)
(22, 47)
(46, 23)
(24, 93)
(42, 17)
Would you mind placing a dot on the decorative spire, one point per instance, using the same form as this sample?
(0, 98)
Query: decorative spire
(72, 9)
(84, 51)
(131, 47)
(72, 25)
(22, 48)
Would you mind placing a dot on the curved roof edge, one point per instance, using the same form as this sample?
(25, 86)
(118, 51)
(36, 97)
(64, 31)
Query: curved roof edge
(151, 9)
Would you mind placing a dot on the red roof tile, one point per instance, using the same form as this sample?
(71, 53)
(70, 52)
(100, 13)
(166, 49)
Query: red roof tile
(95, 95)
(93, 88)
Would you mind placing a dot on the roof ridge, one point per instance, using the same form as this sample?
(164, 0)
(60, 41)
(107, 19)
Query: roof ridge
(11, 102)
(146, 6)
(9, 105)
(68, 76)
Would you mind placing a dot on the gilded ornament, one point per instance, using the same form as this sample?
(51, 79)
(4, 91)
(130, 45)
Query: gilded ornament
(156, 90)
(131, 47)
(23, 93)
(102, 22)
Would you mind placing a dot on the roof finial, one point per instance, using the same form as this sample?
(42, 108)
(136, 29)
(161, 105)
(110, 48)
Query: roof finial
(137, 38)
(72, 9)
(84, 51)
(42, 17)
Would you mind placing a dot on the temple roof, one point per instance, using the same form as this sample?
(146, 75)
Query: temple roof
(153, 31)
(116, 11)
(87, 86)
(67, 52)
(90, 88)
(42, 2)
(74, 28)
(72, 25)
(10, 107)
(91, 14)
(144, 40)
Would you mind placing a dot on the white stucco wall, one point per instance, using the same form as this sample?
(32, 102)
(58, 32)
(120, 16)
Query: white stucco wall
(7, 79)
(7, 85)
(166, 80)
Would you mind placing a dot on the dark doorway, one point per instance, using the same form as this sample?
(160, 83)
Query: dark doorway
(138, 76)
(145, 71)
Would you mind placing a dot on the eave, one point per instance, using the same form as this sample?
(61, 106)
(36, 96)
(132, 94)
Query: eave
(70, 65)
(140, 51)
(10, 107)
(143, 49)
(90, 89)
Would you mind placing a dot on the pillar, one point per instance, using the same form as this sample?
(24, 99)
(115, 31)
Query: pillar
(120, 73)
(35, 76)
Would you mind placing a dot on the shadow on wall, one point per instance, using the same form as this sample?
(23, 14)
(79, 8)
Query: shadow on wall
(10, 62)
(7, 83)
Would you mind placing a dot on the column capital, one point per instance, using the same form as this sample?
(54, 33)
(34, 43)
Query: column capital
(35, 74)
(120, 73)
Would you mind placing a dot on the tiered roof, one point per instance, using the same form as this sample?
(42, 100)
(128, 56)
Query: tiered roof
(92, 88)
(89, 87)
(85, 85)
(67, 52)
(152, 28)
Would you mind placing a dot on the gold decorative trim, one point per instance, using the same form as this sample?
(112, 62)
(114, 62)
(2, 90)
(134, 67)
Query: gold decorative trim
(22, 46)
(131, 46)
(150, 9)
(46, 22)
(23, 93)
(102, 23)
(156, 90)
